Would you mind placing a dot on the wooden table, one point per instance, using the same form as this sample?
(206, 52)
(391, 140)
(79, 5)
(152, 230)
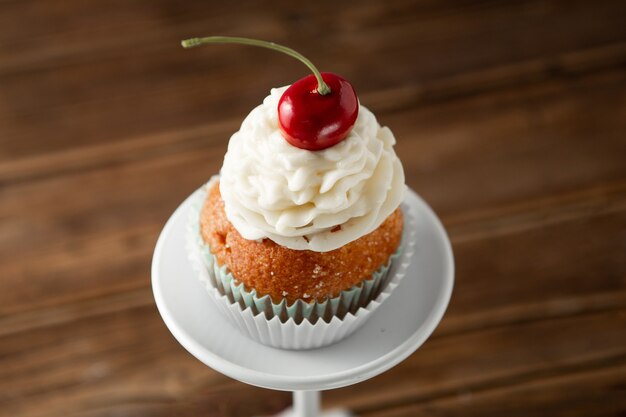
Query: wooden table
(510, 119)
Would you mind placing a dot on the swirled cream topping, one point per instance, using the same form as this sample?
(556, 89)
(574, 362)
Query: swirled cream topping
(309, 200)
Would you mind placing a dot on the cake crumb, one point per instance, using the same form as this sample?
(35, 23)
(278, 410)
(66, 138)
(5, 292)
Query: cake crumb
(285, 293)
(305, 295)
(317, 270)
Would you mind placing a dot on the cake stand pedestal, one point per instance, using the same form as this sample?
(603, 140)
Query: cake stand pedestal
(395, 330)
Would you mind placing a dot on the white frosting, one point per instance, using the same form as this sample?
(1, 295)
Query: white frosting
(295, 197)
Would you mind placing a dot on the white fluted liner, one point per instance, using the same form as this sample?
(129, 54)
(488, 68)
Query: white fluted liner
(290, 334)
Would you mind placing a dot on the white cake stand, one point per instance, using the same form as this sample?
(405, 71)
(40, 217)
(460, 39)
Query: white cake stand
(399, 326)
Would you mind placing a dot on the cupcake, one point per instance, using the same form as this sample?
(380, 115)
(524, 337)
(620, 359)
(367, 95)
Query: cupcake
(304, 221)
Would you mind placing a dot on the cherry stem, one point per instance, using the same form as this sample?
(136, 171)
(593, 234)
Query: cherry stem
(322, 87)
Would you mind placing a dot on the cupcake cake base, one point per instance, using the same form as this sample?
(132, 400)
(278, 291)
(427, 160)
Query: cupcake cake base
(297, 325)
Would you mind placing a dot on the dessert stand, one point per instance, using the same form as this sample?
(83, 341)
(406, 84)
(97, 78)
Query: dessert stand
(395, 330)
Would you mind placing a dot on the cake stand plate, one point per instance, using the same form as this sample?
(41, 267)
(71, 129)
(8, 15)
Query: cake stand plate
(395, 330)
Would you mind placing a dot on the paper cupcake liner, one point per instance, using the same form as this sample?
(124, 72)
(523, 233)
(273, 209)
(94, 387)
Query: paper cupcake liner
(301, 325)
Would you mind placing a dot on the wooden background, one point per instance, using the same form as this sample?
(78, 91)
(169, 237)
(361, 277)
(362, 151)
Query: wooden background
(511, 121)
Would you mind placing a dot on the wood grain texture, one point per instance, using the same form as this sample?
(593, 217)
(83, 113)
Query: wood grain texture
(511, 122)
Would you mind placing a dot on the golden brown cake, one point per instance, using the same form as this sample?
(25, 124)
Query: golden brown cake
(295, 274)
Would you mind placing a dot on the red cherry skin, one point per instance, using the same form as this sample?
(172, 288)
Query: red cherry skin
(309, 120)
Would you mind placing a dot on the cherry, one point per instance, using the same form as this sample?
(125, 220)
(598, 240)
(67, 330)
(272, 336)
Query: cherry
(312, 121)
(315, 112)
